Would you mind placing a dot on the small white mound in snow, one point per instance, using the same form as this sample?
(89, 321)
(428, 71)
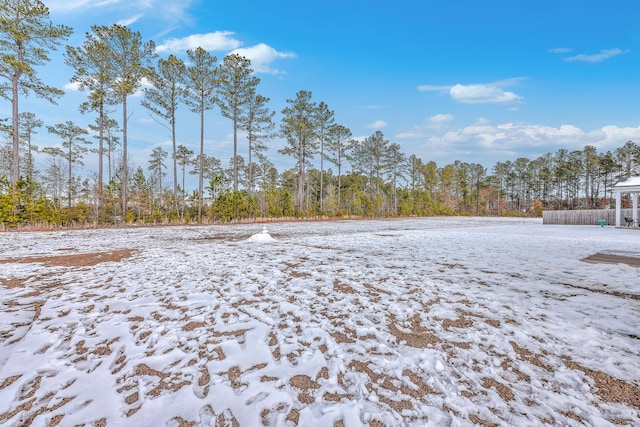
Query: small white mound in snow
(262, 237)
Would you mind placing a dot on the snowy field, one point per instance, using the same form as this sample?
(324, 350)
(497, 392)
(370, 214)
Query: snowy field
(439, 321)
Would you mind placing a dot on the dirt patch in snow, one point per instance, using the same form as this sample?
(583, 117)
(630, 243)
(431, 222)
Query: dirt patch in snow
(608, 388)
(601, 258)
(74, 260)
(12, 282)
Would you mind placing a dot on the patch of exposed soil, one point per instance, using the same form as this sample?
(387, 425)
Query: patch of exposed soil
(12, 282)
(74, 260)
(610, 389)
(601, 258)
(419, 337)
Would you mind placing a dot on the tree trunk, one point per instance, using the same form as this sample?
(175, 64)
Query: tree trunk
(70, 178)
(250, 174)
(201, 169)
(125, 177)
(235, 154)
(15, 165)
(339, 186)
(321, 176)
(100, 153)
(300, 197)
(175, 167)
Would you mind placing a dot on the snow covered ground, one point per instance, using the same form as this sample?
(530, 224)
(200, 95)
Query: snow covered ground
(438, 321)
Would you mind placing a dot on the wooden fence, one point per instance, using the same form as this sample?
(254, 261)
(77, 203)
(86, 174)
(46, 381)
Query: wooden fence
(584, 217)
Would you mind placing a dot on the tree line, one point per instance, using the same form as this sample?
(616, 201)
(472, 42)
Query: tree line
(371, 177)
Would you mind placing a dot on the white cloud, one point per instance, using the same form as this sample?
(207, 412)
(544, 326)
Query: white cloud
(560, 50)
(407, 135)
(128, 12)
(144, 84)
(523, 138)
(262, 56)
(522, 135)
(482, 94)
(67, 5)
(71, 86)
(434, 88)
(614, 136)
(508, 82)
(435, 123)
(439, 121)
(378, 124)
(598, 57)
(70, 6)
(128, 21)
(484, 141)
(107, 2)
(216, 41)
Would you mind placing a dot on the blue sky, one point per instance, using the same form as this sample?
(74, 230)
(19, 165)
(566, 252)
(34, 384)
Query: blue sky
(473, 81)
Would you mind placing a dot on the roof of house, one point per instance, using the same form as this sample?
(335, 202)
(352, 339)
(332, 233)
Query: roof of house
(633, 182)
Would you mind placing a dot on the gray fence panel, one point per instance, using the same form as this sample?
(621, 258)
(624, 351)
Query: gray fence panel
(584, 217)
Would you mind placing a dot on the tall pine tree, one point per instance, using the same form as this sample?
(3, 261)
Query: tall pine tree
(298, 127)
(237, 85)
(201, 96)
(26, 38)
(163, 99)
(130, 60)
